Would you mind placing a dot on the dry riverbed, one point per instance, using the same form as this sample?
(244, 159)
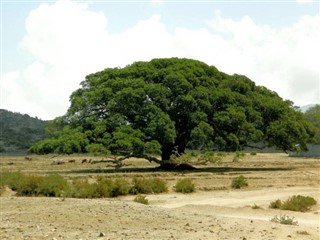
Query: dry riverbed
(214, 211)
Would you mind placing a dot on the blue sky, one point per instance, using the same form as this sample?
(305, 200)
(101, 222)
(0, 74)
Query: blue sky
(48, 47)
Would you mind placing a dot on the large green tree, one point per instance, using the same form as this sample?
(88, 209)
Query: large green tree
(168, 105)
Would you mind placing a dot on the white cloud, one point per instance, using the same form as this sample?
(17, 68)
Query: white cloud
(68, 41)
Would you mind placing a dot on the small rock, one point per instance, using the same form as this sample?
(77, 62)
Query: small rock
(102, 234)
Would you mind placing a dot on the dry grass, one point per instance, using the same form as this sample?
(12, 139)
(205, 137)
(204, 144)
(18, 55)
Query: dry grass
(258, 169)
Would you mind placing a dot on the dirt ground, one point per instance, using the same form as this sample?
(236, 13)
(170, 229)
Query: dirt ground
(214, 211)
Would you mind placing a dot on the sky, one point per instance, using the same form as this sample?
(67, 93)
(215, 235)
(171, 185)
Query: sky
(49, 47)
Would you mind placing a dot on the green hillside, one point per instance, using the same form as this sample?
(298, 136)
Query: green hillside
(19, 131)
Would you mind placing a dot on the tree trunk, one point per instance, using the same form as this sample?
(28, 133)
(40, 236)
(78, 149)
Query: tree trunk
(166, 153)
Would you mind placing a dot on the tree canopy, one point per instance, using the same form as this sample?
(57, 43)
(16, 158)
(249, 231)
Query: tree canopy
(166, 106)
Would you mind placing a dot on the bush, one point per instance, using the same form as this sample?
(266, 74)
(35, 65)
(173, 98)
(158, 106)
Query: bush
(119, 187)
(284, 220)
(12, 179)
(141, 199)
(298, 203)
(81, 188)
(53, 185)
(239, 182)
(30, 186)
(184, 186)
(295, 203)
(146, 186)
(276, 204)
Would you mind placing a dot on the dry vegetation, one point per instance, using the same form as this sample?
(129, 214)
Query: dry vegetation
(214, 211)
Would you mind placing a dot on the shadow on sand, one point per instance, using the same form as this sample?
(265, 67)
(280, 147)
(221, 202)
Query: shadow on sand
(182, 169)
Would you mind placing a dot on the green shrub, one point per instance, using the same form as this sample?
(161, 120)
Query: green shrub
(158, 185)
(146, 186)
(81, 188)
(141, 199)
(30, 186)
(53, 185)
(140, 185)
(284, 220)
(119, 187)
(276, 204)
(239, 182)
(12, 179)
(298, 203)
(295, 203)
(184, 186)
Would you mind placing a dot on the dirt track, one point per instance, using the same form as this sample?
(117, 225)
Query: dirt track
(209, 213)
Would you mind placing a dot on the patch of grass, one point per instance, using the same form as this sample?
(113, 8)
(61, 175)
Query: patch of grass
(184, 186)
(284, 220)
(295, 203)
(141, 199)
(239, 182)
(253, 153)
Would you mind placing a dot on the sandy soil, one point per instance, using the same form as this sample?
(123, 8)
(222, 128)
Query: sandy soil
(214, 211)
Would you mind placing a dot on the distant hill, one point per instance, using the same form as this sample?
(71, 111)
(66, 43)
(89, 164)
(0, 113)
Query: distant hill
(19, 131)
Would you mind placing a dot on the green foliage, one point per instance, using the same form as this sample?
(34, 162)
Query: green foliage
(81, 188)
(298, 203)
(184, 185)
(312, 115)
(53, 185)
(97, 149)
(19, 131)
(12, 179)
(295, 203)
(284, 220)
(239, 182)
(194, 157)
(145, 186)
(66, 141)
(164, 105)
(276, 204)
(141, 199)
